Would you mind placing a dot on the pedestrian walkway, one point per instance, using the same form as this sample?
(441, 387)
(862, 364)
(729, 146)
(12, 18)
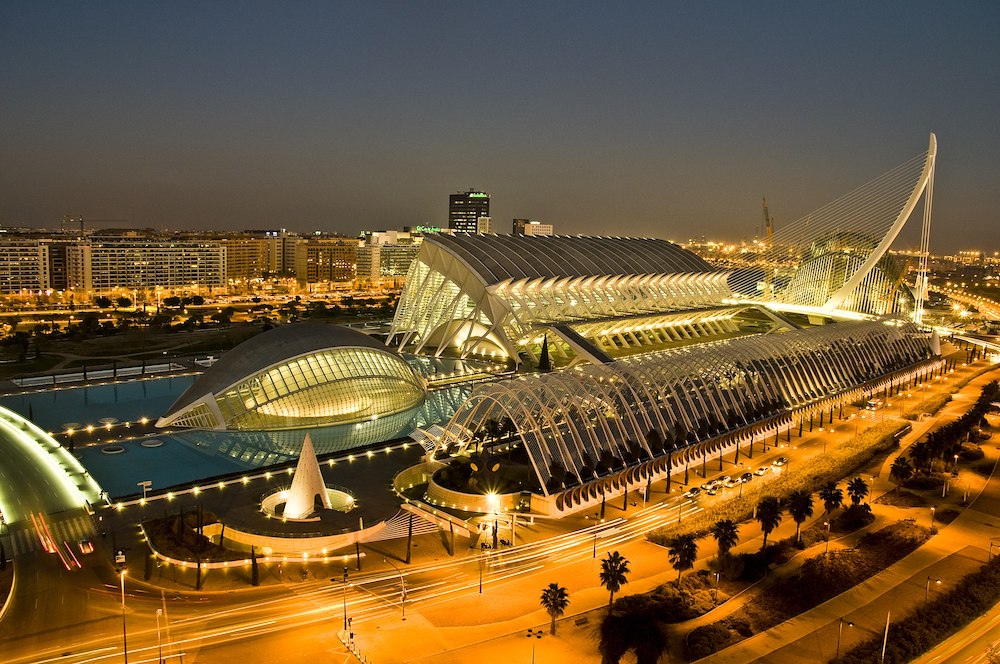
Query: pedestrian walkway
(30, 535)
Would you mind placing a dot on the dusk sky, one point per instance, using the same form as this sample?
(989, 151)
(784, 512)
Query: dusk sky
(654, 119)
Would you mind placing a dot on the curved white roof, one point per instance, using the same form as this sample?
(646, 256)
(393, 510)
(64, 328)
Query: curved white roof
(273, 347)
(497, 258)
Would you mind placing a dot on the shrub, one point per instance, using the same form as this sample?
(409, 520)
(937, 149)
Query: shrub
(901, 498)
(971, 452)
(854, 517)
(707, 639)
(923, 482)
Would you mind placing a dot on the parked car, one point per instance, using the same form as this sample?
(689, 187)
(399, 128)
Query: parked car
(707, 485)
(693, 492)
(778, 463)
(763, 470)
(712, 491)
(723, 479)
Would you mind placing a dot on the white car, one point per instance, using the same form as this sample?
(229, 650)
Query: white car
(763, 470)
(693, 492)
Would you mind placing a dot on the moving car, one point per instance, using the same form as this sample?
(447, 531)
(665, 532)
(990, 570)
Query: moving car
(763, 470)
(778, 463)
(746, 477)
(693, 492)
(730, 483)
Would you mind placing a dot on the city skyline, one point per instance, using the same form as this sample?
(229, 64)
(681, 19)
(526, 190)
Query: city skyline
(650, 122)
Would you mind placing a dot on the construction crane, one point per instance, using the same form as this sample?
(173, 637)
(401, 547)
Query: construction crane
(767, 223)
(69, 220)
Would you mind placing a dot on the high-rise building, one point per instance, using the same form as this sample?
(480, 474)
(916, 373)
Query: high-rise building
(465, 209)
(24, 265)
(531, 227)
(131, 261)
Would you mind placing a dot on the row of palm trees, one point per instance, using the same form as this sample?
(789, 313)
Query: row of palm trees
(682, 550)
(614, 574)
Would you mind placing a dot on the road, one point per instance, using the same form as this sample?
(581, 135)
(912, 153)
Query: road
(74, 615)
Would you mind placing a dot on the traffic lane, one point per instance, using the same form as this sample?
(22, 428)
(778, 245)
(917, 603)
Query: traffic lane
(31, 484)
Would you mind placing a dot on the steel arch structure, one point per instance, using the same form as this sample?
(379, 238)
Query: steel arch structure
(592, 419)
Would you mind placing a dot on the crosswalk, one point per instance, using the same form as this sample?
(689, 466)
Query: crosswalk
(29, 536)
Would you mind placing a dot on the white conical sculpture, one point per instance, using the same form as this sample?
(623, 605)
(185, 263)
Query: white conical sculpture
(307, 483)
(936, 344)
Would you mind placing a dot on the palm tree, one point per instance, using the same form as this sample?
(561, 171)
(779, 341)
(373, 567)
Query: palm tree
(768, 514)
(832, 496)
(726, 534)
(857, 489)
(682, 552)
(901, 470)
(800, 506)
(920, 455)
(614, 573)
(554, 600)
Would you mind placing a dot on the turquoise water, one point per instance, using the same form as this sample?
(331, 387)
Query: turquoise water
(126, 402)
(192, 455)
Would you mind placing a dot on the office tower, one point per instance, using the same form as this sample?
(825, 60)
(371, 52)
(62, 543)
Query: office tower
(465, 209)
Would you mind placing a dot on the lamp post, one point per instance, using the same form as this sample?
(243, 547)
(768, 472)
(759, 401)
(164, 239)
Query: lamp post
(827, 524)
(159, 644)
(932, 516)
(402, 583)
(121, 575)
(715, 593)
(840, 632)
(534, 635)
(927, 587)
(345, 599)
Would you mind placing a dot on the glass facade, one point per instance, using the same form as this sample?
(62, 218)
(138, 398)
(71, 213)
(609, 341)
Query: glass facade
(327, 387)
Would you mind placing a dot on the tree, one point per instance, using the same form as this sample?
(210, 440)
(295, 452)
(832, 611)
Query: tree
(682, 552)
(857, 489)
(726, 534)
(920, 455)
(768, 514)
(102, 302)
(614, 573)
(901, 470)
(800, 507)
(123, 303)
(832, 497)
(555, 599)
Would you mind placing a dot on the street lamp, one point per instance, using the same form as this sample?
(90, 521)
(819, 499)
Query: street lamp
(715, 594)
(827, 524)
(932, 516)
(840, 631)
(121, 574)
(927, 587)
(534, 635)
(345, 599)
(402, 582)
(159, 644)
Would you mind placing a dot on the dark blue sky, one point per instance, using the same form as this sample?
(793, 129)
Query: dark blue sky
(664, 119)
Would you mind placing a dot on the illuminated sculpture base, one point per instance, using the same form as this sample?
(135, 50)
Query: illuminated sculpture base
(273, 504)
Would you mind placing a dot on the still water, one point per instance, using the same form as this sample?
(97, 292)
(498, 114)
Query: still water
(192, 455)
